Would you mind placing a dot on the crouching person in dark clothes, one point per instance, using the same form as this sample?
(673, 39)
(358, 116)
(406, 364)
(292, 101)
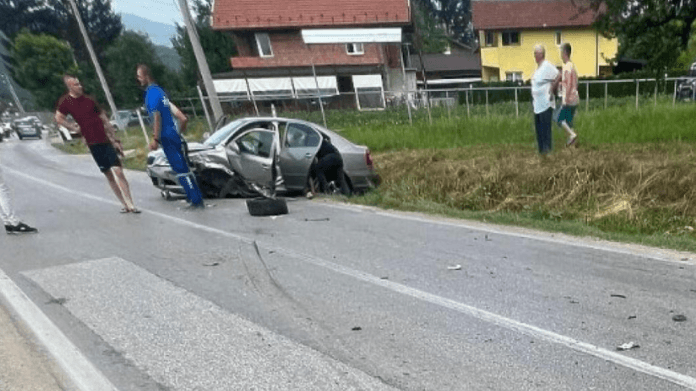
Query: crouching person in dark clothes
(328, 167)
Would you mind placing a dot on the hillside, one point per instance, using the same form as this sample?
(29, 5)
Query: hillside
(160, 34)
(24, 96)
(169, 57)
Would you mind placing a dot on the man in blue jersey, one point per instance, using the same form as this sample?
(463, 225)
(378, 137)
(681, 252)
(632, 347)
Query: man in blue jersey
(165, 133)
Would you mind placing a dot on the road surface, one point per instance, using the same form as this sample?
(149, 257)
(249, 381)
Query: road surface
(328, 297)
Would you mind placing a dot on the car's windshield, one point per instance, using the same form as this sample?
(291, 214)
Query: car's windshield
(223, 133)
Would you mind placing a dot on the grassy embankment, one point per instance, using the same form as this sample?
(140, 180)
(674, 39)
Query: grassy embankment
(632, 178)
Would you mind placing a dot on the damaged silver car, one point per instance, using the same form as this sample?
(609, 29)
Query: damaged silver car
(237, 160)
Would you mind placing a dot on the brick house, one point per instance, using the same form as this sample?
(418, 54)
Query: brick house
(275, 61)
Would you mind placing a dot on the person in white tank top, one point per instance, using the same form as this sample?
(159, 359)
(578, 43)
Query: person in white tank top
(568, 80)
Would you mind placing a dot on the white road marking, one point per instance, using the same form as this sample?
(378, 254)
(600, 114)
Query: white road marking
(75, 365)
(501, 321)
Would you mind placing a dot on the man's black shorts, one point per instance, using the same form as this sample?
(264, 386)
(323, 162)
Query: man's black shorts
(105, 156)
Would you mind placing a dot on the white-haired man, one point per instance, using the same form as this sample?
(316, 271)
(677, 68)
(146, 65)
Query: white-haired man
(542, 98)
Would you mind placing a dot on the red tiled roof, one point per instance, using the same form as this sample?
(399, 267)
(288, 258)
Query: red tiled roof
(502, 14)
(264, 14)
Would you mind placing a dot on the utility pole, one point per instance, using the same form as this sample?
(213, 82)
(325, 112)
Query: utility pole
(14, 94)
(202, 62)
(88, 43)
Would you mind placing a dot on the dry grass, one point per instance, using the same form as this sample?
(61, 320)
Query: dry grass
(631, 188)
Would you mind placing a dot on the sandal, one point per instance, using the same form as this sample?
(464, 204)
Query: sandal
(571, 142)
(135, 210)
(125, 210)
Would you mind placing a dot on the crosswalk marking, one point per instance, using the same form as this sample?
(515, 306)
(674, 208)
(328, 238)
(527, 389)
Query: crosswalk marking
(185, 342)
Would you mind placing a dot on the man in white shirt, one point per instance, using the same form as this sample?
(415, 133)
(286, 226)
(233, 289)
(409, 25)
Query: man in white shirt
(542, 98)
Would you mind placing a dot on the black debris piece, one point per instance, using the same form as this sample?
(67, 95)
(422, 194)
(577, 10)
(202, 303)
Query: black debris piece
(679, 318)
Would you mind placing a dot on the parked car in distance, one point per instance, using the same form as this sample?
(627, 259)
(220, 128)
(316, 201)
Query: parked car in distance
(240, 153)
(6, 129)
(27, 127)
(123, 119)
(686, 85)
(68, 134)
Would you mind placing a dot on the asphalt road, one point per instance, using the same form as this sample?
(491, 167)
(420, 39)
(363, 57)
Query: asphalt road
(331, 296)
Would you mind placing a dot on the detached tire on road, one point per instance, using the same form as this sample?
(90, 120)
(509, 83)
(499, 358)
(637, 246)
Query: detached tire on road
(262, 206)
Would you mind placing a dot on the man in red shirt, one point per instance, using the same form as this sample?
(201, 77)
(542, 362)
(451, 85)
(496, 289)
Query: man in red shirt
(99, 135)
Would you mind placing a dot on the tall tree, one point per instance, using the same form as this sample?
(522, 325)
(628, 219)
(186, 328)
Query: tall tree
(688, 56)
(655, 30)
(429, 37)
(218, 47)
(121, 58)
(55, 17)
(41, 62)
(455, 16)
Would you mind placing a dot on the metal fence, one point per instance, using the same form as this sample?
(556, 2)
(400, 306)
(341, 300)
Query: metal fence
(431, 104)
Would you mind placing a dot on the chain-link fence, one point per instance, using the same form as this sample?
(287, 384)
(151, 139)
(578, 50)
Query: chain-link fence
(433, 104)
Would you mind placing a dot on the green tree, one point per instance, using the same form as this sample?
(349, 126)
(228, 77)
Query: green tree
(454, 16)
(655, 30)
(41, 60)
(429, 37)
(688, 56)
(55, 17)
(218, 47)
(121, 59)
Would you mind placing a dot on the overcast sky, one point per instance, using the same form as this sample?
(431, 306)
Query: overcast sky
(163, 11)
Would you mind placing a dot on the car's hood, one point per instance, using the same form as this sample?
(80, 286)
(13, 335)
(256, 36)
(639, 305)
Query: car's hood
(194, 147)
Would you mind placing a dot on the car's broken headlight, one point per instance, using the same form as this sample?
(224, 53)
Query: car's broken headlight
(158, 160)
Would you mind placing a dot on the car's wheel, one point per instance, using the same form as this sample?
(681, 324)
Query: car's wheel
(262, 206)
(235, 187)
(166, 194)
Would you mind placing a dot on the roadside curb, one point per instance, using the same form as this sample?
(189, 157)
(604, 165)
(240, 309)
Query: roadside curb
(76, 368)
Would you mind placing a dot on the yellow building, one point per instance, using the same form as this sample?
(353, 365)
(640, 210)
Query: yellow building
(509, 29)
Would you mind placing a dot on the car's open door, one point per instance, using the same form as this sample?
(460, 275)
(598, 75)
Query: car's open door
(250, 154)
(299, 146)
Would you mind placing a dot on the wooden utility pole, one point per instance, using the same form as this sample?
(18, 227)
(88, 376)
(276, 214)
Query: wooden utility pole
(202, 62)
(88, 43)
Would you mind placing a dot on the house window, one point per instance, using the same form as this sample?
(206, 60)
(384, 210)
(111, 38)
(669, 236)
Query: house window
(559, 38)
(511, 38)
(355, 49)
(263, 42)
(513, 76)
(491, 38)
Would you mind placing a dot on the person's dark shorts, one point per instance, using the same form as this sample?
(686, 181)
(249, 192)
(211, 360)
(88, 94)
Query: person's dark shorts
(105, 155)
(567, 113)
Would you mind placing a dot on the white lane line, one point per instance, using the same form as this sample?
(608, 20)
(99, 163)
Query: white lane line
(501, 321)
(76, 366)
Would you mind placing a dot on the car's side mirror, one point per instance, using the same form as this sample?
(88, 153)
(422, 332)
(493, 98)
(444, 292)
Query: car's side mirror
(234, 147)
